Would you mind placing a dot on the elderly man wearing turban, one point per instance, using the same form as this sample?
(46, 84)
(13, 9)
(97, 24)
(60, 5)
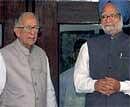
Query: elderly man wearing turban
(102, 69)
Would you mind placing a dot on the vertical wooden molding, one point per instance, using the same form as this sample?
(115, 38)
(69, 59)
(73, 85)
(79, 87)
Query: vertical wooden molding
(47, 12)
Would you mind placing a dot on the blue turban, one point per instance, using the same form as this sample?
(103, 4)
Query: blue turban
(122, 7)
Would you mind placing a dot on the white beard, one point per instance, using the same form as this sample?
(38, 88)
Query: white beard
(110, 30)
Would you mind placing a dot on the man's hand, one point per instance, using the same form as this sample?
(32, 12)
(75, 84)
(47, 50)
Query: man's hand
(107, 86)
(113, 84)
(100, 86)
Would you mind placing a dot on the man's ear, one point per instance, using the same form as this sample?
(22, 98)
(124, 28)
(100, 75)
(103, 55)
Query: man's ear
(17, 32)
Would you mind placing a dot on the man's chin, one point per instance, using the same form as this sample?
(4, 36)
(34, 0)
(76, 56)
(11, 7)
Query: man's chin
(109, 30)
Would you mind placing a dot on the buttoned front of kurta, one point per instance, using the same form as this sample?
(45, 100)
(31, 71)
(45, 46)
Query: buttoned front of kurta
(109, 57)
(26, 76)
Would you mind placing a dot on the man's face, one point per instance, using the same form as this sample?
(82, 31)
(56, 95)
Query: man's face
(27, 31)
(111, 20)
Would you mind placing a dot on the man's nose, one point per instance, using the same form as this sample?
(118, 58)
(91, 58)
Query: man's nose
(108, 19)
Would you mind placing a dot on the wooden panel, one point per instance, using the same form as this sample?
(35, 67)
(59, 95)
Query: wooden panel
(11, 10)
(48, 40)
(2, 6)
(77, 12)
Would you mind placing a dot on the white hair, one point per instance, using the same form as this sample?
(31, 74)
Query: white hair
(23, 15)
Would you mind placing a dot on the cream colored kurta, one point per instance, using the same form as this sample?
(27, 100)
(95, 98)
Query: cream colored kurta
(28, 78)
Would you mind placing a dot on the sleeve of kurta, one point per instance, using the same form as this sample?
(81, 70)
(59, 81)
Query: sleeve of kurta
(82, 80)
(2, 73)
(125, 87)
(51, 97)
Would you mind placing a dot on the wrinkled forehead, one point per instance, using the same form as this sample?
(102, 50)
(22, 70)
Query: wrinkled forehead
(28, 20)
(109, 8)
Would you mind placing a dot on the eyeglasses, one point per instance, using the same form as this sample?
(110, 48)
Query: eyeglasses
(112, 16)
(29, 28)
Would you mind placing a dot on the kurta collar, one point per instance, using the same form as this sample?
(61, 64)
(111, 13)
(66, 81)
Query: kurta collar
(116, 36)
(23, 49)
